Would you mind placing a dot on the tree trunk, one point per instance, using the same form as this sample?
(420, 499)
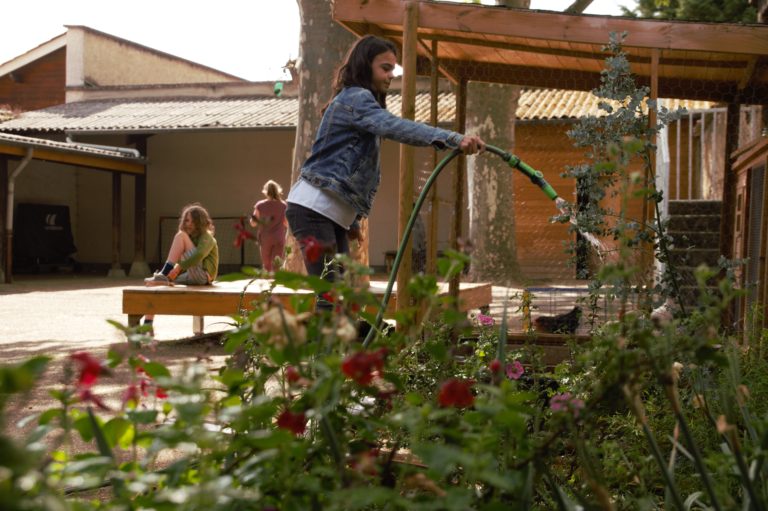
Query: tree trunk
(491, 111)
(322, 48)
(491, 114)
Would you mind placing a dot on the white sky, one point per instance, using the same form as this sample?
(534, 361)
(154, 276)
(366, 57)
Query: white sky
(251, 39)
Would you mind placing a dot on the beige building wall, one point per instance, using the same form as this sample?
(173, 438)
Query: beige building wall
(97, 59)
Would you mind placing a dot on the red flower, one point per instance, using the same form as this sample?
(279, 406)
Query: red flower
(293, 422)
(313, 250)
(90, 368)
(292, 374)
(457, 393)
(361, 366)
(160, 393)
(143, 384)
(328, 297)
(495, 366)
(242, 233)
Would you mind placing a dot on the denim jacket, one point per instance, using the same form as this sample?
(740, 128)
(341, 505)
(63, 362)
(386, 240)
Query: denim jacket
(345, 155)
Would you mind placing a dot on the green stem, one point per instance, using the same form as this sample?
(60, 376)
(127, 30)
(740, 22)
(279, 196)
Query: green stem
(694, 450)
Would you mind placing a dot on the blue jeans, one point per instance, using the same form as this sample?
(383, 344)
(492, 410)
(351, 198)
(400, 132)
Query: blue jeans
(304, 223)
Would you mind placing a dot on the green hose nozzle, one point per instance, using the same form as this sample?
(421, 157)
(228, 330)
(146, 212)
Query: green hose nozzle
(534, 175)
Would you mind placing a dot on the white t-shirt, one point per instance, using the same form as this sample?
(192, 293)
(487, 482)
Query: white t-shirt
(322, 201)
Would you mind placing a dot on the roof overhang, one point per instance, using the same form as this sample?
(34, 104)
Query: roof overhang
(34, 54)
(708, 61)
(113, 160)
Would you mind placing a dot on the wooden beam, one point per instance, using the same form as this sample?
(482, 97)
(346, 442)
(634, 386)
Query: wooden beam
(569, 79)
(408, 106)
(140, 209)
(574, 54)
(650, 173)
(5, 241)
(749, 73)
(523, 23)
(434, 199)
(458, 183)
(77, 159)
(727, 223)
(117, 206)
(432, 52)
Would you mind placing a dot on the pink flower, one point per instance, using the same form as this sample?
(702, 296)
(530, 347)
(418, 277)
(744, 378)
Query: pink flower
(515, 370)
(293, 422)
(242, 233)
(485, 320)
(457, 393)
(565, 402)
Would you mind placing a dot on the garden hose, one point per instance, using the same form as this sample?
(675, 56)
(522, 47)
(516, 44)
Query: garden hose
(534, 175)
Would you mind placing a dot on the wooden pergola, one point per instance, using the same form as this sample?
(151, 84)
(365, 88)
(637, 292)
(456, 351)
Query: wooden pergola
(113, 160)
(725, 63)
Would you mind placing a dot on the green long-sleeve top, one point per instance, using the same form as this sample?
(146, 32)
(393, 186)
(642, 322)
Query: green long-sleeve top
(206, 253)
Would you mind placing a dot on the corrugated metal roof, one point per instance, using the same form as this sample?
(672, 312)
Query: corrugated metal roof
(18, 140)
(170, 114)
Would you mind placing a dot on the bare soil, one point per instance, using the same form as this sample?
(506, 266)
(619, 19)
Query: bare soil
(60, 315)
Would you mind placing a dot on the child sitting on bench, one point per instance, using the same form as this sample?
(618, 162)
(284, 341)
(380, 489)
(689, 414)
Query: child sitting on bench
(193, 258)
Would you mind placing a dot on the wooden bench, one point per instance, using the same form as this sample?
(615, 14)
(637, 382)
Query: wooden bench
(226, 298)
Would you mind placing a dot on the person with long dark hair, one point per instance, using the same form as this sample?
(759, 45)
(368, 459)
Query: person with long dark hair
(338, 181)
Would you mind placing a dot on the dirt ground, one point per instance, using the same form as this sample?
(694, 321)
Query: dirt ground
(60, 315)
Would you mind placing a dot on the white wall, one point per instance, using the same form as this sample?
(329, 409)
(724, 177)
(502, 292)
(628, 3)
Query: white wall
(225, 171)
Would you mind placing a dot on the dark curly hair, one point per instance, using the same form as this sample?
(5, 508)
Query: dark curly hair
(200, 218)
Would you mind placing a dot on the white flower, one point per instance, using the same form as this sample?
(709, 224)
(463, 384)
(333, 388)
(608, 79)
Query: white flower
(344, 330)
(282, 326)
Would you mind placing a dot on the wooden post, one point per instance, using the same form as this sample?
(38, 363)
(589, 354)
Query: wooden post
(139, 267)
(727, 224)
(647, 254)
(728, 203)
(5, 242)
(434, 199)
(458, 183)
(410, 26)
(116, 270)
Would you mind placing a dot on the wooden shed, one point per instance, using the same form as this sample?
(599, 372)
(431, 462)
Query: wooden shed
(751, 224)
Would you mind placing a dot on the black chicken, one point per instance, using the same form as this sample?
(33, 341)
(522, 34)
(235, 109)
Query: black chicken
(566, 323)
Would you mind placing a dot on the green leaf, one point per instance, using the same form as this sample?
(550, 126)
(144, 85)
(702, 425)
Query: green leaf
(368, 497)
(101, 440)
(232, 378)
(48, 415)
(155, 369)
(114, 358)
(84, 426)
(118, 431)
(236, 339)
(142, 416)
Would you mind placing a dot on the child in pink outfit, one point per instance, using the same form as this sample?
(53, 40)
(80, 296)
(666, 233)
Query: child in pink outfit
(269, 219)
